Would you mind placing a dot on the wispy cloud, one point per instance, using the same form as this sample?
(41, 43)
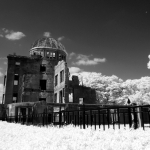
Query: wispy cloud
(85, 60)
(14, 35)
(61, 38)
(11, 35)
(47, 34)
(71, 55)
(3, 58)
(5, 63)
(74, 70)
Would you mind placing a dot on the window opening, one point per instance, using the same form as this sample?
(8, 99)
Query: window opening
(42, 54)
(81, 101)
(42, 99)
(51, 55)
(15, 82)
(56, 80)
(71, 98)
(16, 79)
(15, 95)
(59, 56)
(47, 54)
(42, 68)
(62, 76)
(17, 63)
(55, 97)
(43, 84)
(60, 97)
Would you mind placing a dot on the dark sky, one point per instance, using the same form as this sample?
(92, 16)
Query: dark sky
(117, 31)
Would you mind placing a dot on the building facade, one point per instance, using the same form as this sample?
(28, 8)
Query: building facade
(33, 78)
(43, 76)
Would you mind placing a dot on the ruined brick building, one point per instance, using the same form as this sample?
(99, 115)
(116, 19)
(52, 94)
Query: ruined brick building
(43, 76)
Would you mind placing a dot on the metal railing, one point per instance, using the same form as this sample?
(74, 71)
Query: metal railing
(99, 118)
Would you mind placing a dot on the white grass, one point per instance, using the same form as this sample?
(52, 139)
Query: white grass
(22, 137)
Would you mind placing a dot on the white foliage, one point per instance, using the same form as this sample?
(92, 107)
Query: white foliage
(113, 89)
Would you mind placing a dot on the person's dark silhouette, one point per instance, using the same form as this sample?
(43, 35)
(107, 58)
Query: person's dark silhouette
(128, 102)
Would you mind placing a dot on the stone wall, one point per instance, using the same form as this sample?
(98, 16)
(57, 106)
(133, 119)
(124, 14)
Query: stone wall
(28, 70)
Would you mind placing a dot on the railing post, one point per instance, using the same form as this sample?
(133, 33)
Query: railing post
(60, 118)
(108, 117)
(135, 118)
(99, 117)
(43, 115)
(16, 118)
(118, 111)
(129, 116)
(32, 118)
(91, 119)
(52, 121)
(139, 115)
(83, 116)
(6, 117)
(78, 117)
(142, 117)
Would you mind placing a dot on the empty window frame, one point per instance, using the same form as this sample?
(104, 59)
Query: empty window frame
(47, 54)
(15, 95)
(60, 56)
(56, 80)
(42, 99)
(60, 97)
(42, 54)
(62, 76)
(81, 100)
(71, 98)
(55, 98)
(52, 55)
(16, 79)
(43, 84)
(42, 68)
(17, 63)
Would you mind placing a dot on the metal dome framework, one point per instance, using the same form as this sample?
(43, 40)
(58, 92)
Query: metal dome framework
(47, 42)
(48, 47)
